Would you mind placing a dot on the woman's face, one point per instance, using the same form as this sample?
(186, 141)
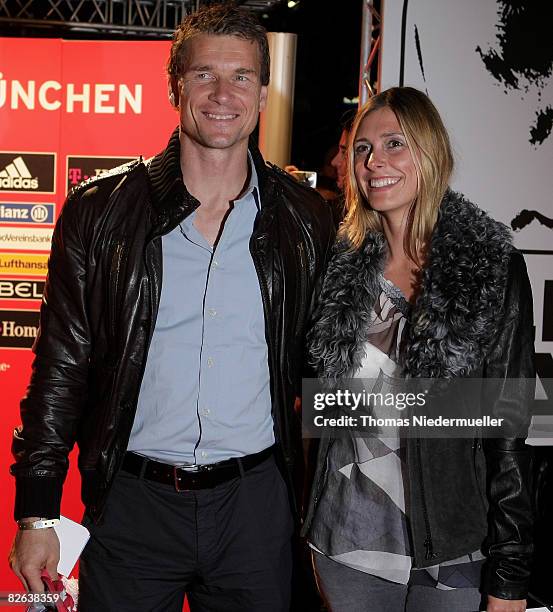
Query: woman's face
(384, 168)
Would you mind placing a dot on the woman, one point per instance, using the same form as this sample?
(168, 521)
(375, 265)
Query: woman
(421, 284)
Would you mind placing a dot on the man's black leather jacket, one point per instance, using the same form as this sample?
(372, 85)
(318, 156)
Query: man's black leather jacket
(99, 311)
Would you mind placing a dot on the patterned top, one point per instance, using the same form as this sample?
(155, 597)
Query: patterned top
(361, 518)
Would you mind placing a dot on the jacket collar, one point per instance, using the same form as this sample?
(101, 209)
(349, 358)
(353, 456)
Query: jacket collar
(456, 314)
(171, 201)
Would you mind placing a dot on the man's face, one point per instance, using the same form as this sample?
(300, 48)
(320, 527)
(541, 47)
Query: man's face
(340, 161)
(220, 92)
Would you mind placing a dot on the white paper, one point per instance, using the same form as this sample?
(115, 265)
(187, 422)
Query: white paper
(73, 538)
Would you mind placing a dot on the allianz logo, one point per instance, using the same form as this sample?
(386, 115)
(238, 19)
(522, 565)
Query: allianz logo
(16, 175)
(24, 212)
(10, 329)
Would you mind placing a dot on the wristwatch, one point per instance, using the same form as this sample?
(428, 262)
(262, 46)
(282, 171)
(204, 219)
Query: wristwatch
(41, 523)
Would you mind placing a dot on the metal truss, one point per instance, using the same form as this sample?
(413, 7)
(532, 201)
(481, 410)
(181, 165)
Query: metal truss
(123, 17)
(371, 36)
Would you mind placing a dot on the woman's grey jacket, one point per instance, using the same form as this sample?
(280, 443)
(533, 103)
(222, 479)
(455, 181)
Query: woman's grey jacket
(473, 318)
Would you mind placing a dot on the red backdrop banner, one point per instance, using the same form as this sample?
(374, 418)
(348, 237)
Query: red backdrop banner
(68, 110)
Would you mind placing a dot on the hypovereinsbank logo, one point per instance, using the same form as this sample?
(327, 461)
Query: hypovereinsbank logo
(24, 264)
(27, 172)
(27, 212)
(26, 238)
(18, 328)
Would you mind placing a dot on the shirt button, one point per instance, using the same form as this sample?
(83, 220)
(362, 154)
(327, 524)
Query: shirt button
(215, 263)
(206, 411)
(212, 312)
(203, 454)
(210, 362)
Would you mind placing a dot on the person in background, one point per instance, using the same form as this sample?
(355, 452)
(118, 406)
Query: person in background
(422, 284)
(339, 163)
(330, 180)
(169, 353)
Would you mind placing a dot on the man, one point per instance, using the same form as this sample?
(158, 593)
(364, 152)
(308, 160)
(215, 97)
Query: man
(340, 163)
(171, 335)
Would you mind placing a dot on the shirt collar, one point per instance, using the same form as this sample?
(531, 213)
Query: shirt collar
(168, 188)
(253, 184)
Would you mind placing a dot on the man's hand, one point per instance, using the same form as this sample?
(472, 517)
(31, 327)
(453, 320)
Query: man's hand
(505, 605)
(32, 551)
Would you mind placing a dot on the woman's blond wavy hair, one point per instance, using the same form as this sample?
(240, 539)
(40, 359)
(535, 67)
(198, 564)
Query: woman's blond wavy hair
(430, 149)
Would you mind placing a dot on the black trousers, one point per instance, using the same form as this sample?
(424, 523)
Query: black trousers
(226, 548)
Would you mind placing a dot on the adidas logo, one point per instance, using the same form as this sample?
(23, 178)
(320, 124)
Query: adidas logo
(17, 176)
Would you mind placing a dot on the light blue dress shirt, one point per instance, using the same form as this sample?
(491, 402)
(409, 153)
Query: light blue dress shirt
(205, 396)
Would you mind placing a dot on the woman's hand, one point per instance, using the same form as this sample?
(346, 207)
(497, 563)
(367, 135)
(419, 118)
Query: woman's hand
(505, 605)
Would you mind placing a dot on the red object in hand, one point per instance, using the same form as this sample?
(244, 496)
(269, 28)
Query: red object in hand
(65, 602)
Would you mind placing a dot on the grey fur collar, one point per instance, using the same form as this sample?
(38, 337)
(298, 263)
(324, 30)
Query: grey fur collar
(455, 316)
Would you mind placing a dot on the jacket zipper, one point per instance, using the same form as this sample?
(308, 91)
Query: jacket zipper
(101, 501)
(476, 445)
(302, 283)
(264, 296)
(270, 347)
(117, 260)
(268, 334)
(322, 475)
(116, 269)
(428, 545)
(254, 241)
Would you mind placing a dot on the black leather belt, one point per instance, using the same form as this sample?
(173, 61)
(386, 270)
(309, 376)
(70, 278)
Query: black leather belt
(193, 477)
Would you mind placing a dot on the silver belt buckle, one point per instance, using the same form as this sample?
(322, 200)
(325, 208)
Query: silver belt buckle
(185, 469)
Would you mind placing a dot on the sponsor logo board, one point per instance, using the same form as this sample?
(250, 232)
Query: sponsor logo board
(97, 98)
(27, 172)
(26, 238)
(27, 212)
(18, 328)
(28, 264)
(80, 168)
(19, 289)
